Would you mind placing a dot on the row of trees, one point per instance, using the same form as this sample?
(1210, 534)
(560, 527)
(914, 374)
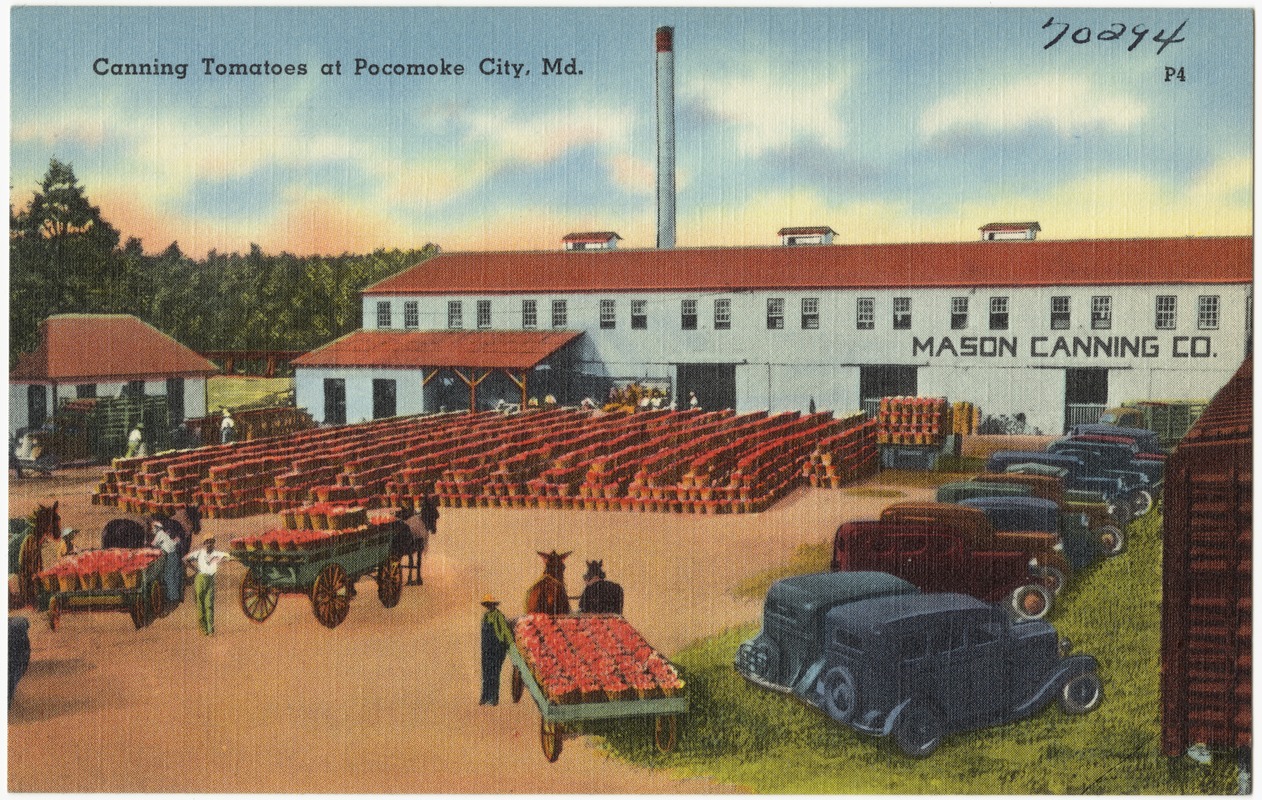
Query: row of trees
(64, 257)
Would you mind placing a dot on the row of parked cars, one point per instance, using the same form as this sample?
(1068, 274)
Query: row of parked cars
(931, 620)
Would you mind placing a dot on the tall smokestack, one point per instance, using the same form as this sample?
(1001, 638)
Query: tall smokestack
(665, 137)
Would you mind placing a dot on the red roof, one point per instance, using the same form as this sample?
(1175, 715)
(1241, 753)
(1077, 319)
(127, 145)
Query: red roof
(1010, 226)
(1088, 262)
(594, 236)
(818, 230)
(417, 349)
(105, 348)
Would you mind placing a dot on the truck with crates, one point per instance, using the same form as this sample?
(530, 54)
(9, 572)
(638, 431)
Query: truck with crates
(1170, 420)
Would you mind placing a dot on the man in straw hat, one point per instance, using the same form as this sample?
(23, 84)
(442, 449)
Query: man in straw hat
(207, 561)
(496, 637)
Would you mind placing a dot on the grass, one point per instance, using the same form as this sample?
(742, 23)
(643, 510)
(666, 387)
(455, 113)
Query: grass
(770, 743)
(807, 558)
(240, 392)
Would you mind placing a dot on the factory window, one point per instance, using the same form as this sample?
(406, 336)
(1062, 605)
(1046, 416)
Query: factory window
(688, 315)
(1101, 312)
(411, 315)
(1165, 312)
(484, 313)
(999, 313)
(1207, 312)
(455, 314)
(559, 319)
(529, 314)
(810, 313)
(959, 313)
(383, 314)
(865, 313)
(723, 314)
(775, 313)
(1060, 313)
(608, 319)
(639, 314)
(902, 313)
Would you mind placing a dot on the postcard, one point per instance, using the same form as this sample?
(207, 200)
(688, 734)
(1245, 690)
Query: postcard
(473, 400)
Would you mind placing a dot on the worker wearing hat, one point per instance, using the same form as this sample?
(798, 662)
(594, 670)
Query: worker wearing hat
(207, 561)
(135, 440)
(496, 637)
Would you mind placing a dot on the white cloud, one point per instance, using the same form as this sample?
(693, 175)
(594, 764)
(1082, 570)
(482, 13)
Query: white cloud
(539, 139)
(1067, 104)
(772, 111)
(1119, 204)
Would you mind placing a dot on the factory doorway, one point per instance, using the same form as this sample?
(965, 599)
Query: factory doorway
(715, 385)
(1086, 395)
(885, 380)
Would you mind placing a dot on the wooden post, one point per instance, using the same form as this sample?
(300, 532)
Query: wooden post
(472, 383)
(520, 384)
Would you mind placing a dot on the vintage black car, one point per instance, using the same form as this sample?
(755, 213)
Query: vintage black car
(789, 651)
(919, 667)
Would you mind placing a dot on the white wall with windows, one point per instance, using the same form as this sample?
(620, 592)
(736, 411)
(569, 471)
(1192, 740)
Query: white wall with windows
(358, 400)
(54, 395)
(1005, 348)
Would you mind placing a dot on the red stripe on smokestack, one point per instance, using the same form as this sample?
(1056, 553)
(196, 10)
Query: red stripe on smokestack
(665, 40)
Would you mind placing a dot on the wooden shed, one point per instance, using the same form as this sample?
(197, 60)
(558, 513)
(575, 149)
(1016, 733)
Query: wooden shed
(1207, 613)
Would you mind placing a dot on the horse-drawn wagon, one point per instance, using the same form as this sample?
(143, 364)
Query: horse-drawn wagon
(593, 667)
(113, 579)
(322, 564)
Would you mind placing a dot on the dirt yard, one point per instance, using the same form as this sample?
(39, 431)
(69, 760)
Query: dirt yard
(387, 702)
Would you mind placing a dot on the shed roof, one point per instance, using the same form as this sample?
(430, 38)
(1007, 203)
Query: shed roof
(1010, 226)
(105, 348)
(419, 349)
(590, 236)
(818, 230)
(1088, 262)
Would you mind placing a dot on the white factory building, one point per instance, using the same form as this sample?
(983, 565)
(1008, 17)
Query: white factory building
(1053, 330)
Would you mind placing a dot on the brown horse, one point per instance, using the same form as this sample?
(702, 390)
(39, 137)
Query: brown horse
(547, 595)
(25, 557)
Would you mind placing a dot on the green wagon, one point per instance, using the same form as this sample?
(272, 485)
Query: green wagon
(326, 573)
(553, 717)
(143, 601)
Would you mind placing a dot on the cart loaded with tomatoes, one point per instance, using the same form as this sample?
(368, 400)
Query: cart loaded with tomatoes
(320, 552)
(592, 667)
(111, 579)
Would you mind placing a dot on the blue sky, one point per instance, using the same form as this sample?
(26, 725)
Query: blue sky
(887, 124)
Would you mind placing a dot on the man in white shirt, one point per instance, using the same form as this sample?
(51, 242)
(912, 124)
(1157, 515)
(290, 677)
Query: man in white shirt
(173, 569)
(207, 561)
(227, 428)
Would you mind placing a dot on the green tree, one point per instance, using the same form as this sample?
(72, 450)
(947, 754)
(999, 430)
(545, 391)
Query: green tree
(61, 255)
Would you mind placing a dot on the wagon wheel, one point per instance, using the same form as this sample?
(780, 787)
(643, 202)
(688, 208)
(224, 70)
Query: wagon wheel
(665, 732)
(54, 613)
(550, 735)
(138, 609)
(518, 685)
(390, 583)
(258, 600)
(157, 599)
(331, 596)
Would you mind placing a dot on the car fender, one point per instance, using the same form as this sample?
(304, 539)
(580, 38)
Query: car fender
(1069, 667)
(892, 717)
(807, 689)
